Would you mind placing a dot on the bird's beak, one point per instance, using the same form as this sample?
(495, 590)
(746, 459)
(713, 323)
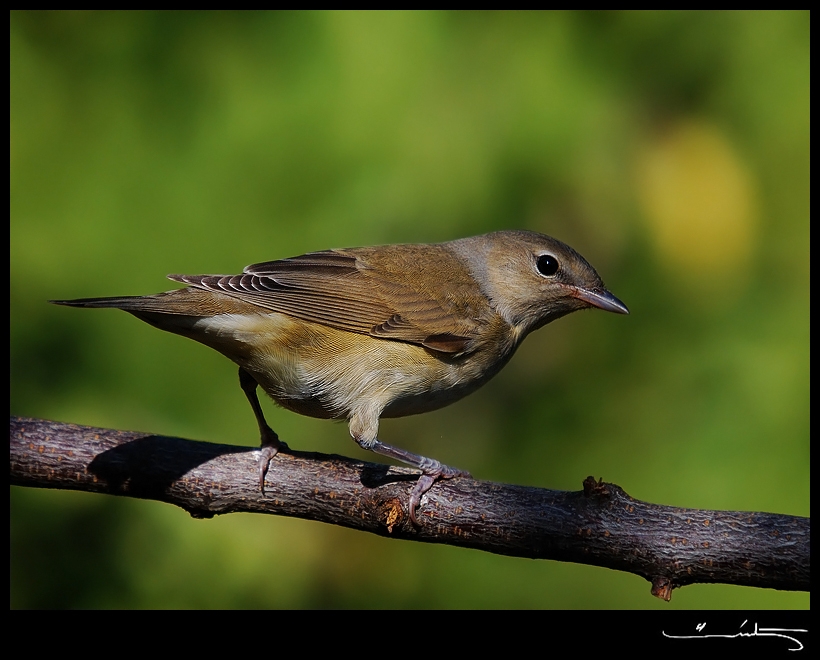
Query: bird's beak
(600, 298)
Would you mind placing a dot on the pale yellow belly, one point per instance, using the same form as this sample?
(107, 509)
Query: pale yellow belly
(323, 372)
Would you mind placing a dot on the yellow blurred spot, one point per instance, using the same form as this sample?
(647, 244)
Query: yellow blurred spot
(697, 199)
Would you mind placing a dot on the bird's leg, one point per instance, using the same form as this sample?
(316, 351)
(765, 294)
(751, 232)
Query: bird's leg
(271, 444)
(430, 467)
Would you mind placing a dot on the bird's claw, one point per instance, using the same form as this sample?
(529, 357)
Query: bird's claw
(426, 482)
(269, 449)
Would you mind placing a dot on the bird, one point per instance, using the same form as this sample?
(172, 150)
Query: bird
(372, 332)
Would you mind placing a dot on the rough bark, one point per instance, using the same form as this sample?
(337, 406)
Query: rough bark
(599, 525)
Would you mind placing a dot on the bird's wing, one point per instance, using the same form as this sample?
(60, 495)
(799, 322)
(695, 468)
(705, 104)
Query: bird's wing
(352, 290)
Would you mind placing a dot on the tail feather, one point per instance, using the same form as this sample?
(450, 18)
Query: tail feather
(174, 311)
(173, 302)
(117, 302)
(180, 302)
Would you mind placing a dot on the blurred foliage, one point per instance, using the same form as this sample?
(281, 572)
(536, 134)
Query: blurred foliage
(671, 149)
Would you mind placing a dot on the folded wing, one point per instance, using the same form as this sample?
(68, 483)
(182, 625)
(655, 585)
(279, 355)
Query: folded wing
(349, 290)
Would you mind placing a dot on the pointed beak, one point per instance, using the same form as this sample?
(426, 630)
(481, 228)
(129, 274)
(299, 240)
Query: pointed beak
(600, 298)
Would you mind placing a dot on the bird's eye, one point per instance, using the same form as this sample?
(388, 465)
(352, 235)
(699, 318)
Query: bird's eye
(547, 264)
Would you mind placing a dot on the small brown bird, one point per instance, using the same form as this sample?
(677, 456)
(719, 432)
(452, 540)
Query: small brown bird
(373, 332)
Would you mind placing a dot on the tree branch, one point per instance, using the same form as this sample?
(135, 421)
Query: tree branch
(600, 525)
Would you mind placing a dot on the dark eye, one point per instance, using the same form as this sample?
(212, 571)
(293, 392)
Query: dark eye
(547, 264)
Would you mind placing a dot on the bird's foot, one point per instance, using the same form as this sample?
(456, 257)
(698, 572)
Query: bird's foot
(432, 473)
(271, 445)
(431, 470)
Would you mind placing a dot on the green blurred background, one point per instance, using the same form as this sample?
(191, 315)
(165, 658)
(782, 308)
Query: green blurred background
(671, 149)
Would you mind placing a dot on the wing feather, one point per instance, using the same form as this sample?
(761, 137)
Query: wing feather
(364, 291)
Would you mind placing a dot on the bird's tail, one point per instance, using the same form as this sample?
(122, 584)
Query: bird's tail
(188, 302)
(185, 302)
(127, 303)
(174, 311)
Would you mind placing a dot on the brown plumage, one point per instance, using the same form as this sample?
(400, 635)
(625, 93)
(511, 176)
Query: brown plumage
(376, 332)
